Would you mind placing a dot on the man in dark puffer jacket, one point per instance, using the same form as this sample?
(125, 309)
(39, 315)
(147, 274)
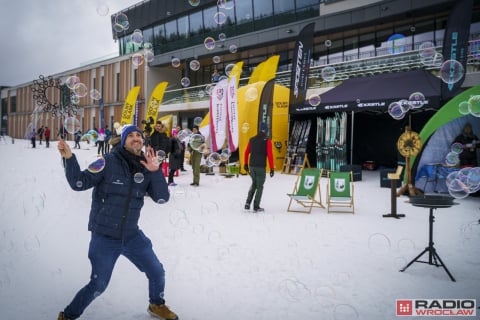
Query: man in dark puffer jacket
(118, 193)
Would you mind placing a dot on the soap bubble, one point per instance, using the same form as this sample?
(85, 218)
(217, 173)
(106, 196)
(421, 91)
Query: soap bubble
(451, 71)
(175, 62)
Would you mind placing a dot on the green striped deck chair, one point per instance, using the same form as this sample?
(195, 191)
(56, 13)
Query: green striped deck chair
(340, 192)
(306, 192)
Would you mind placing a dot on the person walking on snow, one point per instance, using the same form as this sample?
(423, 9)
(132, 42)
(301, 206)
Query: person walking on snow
(259, 148)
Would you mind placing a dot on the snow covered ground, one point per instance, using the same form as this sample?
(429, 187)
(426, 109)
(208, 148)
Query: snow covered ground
(221, 262)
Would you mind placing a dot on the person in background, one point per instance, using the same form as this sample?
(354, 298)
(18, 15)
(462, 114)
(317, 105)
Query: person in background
(33, 135)
(78, 136)
(108, 136)
(182, 168)
(117, 201)
(174, 156)
(47, 136)
(101, 142)
(259, 148)
(159, 138)
(470, 142)
(215, 75)
(40, 134)
(195, 160)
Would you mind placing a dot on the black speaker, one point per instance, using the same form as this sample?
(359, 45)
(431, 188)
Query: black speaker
(356, 171)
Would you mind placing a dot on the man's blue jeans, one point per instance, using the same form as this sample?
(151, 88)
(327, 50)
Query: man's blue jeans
(103, 253)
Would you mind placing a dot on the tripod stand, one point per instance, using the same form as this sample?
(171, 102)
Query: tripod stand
(433, 257)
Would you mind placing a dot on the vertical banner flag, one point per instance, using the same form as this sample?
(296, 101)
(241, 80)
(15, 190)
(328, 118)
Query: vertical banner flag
(135, 114)
(102, 113)
(232, 106)
(266, 106)
(154, 105)
(129, 106)
(455, 48)
(232, 114)
(218, 114)
(301, 67)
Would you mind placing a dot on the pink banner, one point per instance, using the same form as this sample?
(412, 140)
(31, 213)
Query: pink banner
(218, 114)
(232, 114)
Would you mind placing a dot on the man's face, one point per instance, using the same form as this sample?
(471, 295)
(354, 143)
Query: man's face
(158, 127)
(134, 143)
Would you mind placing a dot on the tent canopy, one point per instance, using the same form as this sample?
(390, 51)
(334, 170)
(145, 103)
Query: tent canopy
(377, 92)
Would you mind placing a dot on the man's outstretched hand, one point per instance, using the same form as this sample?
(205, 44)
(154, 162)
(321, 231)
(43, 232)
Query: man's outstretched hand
(151, 158)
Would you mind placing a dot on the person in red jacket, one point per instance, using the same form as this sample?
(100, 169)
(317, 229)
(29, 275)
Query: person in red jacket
(259, 149)
(47, 136)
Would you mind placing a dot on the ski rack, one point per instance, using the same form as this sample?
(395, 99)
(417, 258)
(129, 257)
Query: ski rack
(295, 163)
(296, 157)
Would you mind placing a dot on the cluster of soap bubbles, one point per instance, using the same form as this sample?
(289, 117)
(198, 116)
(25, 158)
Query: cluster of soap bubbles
(41, 88)
(470, 106)
(147, 54)
(451, 71)
(429, 55)
(463, 182)
(120, 22)
(210, 43)
(398, 109)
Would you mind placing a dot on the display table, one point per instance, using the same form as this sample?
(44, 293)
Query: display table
(431, 202)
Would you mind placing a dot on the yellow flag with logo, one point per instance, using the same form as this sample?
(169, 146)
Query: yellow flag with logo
(265, 70)
(128, 110)
(154, 104)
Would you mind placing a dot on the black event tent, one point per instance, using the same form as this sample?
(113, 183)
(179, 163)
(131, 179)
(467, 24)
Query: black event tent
(377, 92)
(375, 133)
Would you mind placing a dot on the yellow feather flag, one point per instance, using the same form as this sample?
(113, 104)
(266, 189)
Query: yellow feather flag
(154, 104)
(167, 121)
(128, 110)
(265, 70)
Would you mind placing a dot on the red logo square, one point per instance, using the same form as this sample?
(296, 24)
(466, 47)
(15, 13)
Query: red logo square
(404, 307)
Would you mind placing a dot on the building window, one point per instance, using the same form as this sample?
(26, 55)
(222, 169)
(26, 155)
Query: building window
(195, 23)
(244, 11)
(171, 30)
(13, 104)
(135, 77)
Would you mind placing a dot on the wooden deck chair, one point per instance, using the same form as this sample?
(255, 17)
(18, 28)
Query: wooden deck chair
(340, 192)
(306, 191)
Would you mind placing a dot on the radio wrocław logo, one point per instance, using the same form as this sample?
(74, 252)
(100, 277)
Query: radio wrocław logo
(436, 307)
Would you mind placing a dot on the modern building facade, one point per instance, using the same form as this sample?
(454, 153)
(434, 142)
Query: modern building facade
(354, 36)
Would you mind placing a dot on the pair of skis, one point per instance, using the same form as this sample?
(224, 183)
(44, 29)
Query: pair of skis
(331, 145)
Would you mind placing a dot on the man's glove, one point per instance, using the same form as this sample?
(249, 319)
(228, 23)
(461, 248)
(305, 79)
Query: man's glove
(245, 167)
(271, 173)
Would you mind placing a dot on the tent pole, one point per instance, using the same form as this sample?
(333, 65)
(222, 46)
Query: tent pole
(351, 139)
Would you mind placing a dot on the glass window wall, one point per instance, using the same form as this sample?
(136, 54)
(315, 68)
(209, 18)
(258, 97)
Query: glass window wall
(148, 35)
(209, 19)
(171, 30)
(183, 28)
(196, 23)
(244, 11)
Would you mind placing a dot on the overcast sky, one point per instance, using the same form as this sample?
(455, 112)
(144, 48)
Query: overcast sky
(45, 37)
